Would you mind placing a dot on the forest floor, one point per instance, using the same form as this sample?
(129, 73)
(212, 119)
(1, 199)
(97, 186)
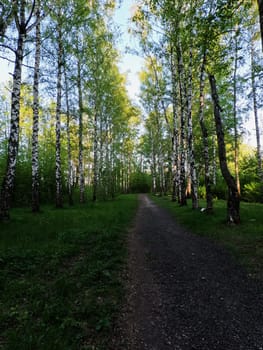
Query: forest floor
(184, 292)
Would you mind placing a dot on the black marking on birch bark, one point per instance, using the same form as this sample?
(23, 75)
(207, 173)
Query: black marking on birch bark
(35, 150)
(58, 123)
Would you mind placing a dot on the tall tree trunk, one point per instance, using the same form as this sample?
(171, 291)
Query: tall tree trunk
(35, 146)
(255, 107)
(236, 145)
(81, 168)
(191, 152)
(175, 141)
(70, 165)
(161, 174)
(182, 127)
(59, 203)
(214, 165)
(95, 161)
(153, 164)
(233, 202)
(8, 180)
(208, 182)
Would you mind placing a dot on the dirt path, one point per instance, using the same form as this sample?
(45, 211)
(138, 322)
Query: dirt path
(183, 292)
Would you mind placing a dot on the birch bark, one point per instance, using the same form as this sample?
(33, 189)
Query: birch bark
(95, 160)
(70, 165)
(182, 127)
(23, 28)
(59, 202)
(255, 107)
(208, 182)
(153, 165)
(191, 152)
(236, 145)
(81, 168)
(175, 142)
(35, 146)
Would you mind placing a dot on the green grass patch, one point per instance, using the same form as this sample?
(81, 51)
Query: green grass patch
(245, 241)
(60, 275)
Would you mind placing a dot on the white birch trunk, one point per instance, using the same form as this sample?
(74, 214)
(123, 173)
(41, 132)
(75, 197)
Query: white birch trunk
(23, 28)
(208, 182)
(153, 166)
(70, 178)
(191, 152)
(182, 127)
(175, 142)
(8, 180)
(236, 143)
(59, 203)
(35, 146)
(95, 160)
(81, 167)
(255, 107)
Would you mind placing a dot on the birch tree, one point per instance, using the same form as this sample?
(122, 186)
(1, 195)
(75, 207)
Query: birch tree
(255, 108)
(35, 147)
(80, 108)
(24, 23)
(69, 147)
(59, 202)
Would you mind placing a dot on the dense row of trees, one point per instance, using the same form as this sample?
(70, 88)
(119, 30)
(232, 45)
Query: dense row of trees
(72, 125)
(72, 130)
(202, 78)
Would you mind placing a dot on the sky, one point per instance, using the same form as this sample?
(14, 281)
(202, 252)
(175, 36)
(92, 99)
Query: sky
(130, 64)
(5, 69)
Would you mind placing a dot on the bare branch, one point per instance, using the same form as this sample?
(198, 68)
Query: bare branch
(8, 47)
(31, 13)
(12, 61)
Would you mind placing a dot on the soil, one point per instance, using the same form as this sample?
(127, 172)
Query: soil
(184, 292)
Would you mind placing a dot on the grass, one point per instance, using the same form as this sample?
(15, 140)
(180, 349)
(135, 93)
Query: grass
(60, 275)
(244, 241)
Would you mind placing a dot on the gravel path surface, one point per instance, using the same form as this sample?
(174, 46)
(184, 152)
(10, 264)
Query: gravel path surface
(184, 292)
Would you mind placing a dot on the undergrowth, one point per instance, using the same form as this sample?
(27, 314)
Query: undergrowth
(60, 275)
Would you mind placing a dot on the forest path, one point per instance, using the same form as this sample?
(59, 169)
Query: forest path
(184, 292)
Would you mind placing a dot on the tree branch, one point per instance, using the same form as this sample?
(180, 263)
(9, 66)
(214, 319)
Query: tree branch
(31, 13)
(12, 61)
(8, 47)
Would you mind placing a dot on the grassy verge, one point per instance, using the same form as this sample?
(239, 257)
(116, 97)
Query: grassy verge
(60, 275)
(245, 241)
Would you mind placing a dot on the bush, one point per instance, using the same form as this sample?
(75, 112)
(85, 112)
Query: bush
(140, 183)
(220, 189)
(253, 192)
(201, 192)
